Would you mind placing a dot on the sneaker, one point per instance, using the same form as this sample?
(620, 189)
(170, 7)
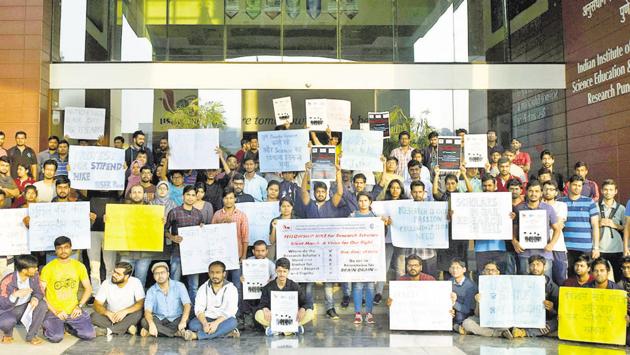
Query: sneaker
(332, 314)
(369, 318)
(357, 318)
(268, 332)
(234, 334)
(300, 329)
(132, 330)
(518, 333)
(377, 298)
(507, 334)
(100, 331)
(345, 302)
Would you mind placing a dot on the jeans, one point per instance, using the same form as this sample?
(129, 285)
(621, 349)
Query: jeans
(358, 289)
(524, 266)
(192, 281)
(329, 301)
(94, 254)
(224, 328)
(140, 268)
(510, 263)
(389, 254)
(560, 267)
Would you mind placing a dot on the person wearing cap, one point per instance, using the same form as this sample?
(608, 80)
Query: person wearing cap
(166, 307)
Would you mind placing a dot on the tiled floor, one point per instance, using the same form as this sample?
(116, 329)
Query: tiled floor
(338, 337)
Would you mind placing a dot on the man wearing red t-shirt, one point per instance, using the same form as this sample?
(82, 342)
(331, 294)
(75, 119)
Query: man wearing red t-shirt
(522, 159)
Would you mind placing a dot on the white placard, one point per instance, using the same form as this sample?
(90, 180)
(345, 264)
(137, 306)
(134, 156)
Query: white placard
(512, 301)
(475, 150)
(283, 110)
(424, 305)
(533, 229)
(13, 234)
(481, 216)
(193, 149)
(284, 309)
(27, 317)
(416, 224)
(362, 150)
(202, 245)
(97, 168)
(326, 113)
(333, 249)
(283, 150)
(84, 123)
(259, 216)
(256, 276)
(51, 220)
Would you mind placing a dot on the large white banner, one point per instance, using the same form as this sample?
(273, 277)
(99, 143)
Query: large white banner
(481, 215)
(259, 216)
(416, 224)
(422, 305)
(193, 149)
(13, 234)
(202, 245)
(284, 309)
(333, 250)
(475, 150)
(326, 113)
(512, 301)
(51, 220)
(83, 123)
(283, 150)
(362, 150)
(255, 277)
(96, 168)
(533, 229)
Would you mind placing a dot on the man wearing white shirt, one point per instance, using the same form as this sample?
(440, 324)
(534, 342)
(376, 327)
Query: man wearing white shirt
(46, 190)
(124, 296)
(216, 305)
(255, 184)
(560, 263)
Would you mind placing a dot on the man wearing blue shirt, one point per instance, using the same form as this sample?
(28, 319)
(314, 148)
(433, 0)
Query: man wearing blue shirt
(166, 306)
(465, 291)
(581, 230)
(255, 184)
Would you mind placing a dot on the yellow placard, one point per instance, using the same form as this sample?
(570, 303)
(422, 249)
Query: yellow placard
(592, 315)
(582, 349)
(134, 227)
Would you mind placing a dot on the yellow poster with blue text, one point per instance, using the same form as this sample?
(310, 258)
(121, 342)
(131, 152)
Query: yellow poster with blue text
(134, 228)
(592, 315)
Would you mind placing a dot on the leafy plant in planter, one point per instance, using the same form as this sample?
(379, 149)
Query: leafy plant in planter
(208, 115)
(418, 129)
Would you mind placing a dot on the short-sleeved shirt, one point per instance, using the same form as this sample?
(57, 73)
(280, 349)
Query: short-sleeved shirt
(27, 157)
(611, 240)
(169, 306)
(577, 228)
(176, 193)
(256, 187)
(552, 218)
(8, 183)
(522, 159)
(327, 210)
(119, 298)
(62, 166)
(62, 283)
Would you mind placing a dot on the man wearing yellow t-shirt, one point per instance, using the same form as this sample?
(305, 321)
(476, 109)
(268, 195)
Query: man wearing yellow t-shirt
(60, 279)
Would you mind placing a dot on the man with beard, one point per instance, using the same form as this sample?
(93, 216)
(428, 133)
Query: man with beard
(46, 187)
(50, 153)
(7, 184)
(124, 296)
(238, 182)
(216, 305)
(138, 144)
(166, 307)
(60, 279)
(146, 176)
(61, 158)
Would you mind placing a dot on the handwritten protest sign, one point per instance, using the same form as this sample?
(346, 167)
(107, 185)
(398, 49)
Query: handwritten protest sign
(13, 234)
(97, 168)
(256, 276)
(592, 315)
(416, 224)
(326, 113)
(475, 150)
(134, 227)
(259, 216)
(533, 229)
(420, 305)
(481, 216)
(333, 250)
(449, 153)
(202, 245)
(512, 301)
(51, 220)
(193, 149)
(283, 150)
(283, 110)
(362, 150)
(284, 308)
(583, 349)
(379, 121)
(83, 123)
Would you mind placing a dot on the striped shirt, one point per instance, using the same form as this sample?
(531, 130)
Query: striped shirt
(403, 159)
(577, 229)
